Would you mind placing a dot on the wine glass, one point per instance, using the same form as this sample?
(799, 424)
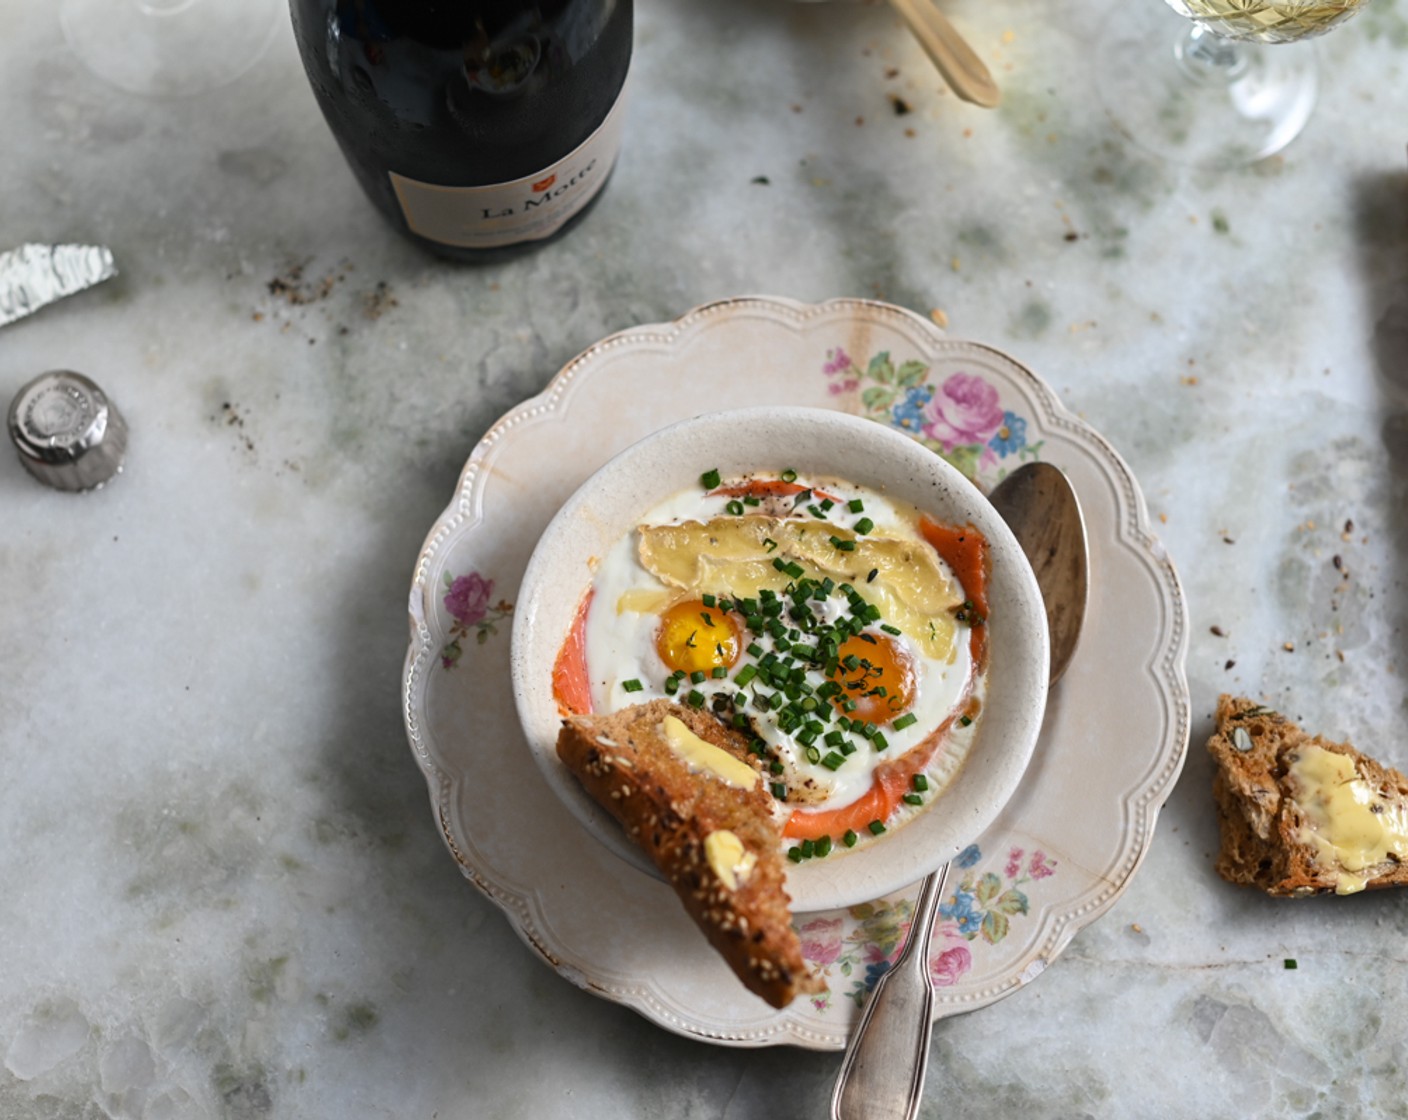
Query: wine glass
(1231, 82)
(169, 48)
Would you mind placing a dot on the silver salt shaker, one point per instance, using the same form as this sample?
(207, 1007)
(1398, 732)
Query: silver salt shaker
(69, 435)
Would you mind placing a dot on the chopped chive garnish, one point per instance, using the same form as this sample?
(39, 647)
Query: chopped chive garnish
(794, 854)
(913, 799)
(695, 698)
(823, 846)
(817, 512)
(632, 685)
(919, 782)
(719, 673)
(796, 571)
(775, 767)
(789, 475)
(813, 755)
(752, 501)
(850, 838)
(697, 677)
(770, 545)
(833, 761)
(855, 505)
(710, 480)
(964, 721)
(734, 507)
(906, 720)
(808, 848)
(779, 791)
(745, 674)
(778, 562)
(672, 685)
(885, 626)
(876, 827)
(708, 600)
(864, 525)
(843, 546)
(878, 741)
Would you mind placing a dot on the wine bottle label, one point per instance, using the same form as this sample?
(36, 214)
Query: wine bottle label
(526, 209)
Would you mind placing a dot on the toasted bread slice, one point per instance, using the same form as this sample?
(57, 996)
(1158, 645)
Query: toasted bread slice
(714, 837)
(1300, 815)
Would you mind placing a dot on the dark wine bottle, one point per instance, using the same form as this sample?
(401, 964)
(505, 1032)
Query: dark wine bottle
(479, 128)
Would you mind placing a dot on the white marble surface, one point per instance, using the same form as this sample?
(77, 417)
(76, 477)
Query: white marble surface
(225, 896)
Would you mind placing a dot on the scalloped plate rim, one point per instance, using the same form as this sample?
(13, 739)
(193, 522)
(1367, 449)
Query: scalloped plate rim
(1133, 530)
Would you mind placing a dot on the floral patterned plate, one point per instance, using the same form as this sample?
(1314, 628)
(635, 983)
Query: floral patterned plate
(1063, 849)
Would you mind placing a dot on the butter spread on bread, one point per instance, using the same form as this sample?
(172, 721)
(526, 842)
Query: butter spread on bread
(1301, 815)
(682, 786)
(1346, 823)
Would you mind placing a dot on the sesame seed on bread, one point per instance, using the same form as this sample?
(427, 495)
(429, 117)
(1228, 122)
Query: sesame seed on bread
(1271, 835)
(627, 764)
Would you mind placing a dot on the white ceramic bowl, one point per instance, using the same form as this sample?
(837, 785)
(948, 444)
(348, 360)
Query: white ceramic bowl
(817, 443)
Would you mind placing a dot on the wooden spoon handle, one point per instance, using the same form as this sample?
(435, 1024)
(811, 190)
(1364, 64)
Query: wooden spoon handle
(957, 62)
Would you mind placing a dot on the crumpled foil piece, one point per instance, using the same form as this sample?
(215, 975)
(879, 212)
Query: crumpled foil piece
(34, 275)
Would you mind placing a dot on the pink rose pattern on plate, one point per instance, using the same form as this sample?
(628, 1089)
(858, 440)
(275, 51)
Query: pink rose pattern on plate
(852, 950)
(468, 600)
(961, 419)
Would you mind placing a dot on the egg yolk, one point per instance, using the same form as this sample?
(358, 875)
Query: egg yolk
(694, 638)
(877, 676)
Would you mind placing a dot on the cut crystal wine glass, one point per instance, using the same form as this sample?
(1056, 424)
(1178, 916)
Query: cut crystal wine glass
(1214, 83)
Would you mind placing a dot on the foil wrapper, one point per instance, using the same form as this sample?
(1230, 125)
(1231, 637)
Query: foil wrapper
(34, 275)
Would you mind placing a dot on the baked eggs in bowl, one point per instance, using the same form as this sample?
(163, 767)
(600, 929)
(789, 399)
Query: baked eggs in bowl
(849, 609)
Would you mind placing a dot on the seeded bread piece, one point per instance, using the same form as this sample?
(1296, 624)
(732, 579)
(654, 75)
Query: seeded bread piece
(625, 762)
(1262, 824)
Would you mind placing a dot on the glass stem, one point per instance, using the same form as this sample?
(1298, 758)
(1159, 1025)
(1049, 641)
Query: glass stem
(1207, 57)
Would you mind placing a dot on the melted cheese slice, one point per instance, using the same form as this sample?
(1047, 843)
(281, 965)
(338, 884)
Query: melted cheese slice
(734, 556)
(701, 756)
(1347, 824)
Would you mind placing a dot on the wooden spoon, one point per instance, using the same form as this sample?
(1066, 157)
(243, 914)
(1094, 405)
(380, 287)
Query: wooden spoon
(959, 64)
